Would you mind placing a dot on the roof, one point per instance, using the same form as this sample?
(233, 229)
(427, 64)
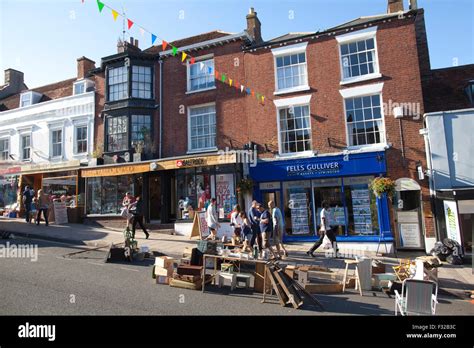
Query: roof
(289, 36)
(215, 34)
(52, 91)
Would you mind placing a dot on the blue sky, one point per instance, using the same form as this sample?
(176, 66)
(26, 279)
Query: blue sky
(44, 38)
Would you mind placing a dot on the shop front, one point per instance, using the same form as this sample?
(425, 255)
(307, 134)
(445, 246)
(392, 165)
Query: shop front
(9, 191)
(299, 187)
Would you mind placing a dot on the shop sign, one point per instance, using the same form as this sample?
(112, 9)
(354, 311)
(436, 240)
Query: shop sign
(60, 213)
(313, 168)
(452, 222)
(191, 162)
(47, 166)
(275, 185)
(410, 235)
(115, 171)
(11, 170)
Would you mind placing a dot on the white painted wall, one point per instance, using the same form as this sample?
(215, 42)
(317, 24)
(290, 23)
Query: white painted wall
(41, 119)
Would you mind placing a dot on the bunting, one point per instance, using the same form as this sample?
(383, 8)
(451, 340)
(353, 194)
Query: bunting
(174, 51)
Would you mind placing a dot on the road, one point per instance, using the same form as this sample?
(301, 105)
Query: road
(59, 283)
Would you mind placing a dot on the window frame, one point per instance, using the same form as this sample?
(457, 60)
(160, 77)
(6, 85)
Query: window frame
(51, 143)
(131, 125)
(76, 127)
(23, 95)
(7, 149)
(30, 147)
(280, 143)
(208, 149)
(288, 51)
(359, 92)
(201, 59)
(107, 120)
(138, 65)
(360, 35)
(107, 76)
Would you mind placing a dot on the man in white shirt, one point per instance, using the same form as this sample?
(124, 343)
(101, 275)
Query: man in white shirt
(325, 230)
(212, 220)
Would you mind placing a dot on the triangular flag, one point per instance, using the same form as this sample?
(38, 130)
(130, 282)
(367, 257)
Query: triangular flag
(100, 5)
(183, 56)
(236, 84)
(153, 38)
(253, 93)
(224, 77)
(142, 31)
(164, 44)
(230, 82)
(115, 14)
(242, 87)
(193, 60)
(130, 23)
(248, 90)
(201, 66)
(263, 98)
(210, 70)
(258, 95)
(216, 74)
(175, 50)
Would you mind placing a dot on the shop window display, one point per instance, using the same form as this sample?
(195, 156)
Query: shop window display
(330, 191)
(8, 191)
(298, 211)
(63, 188)
(105, 195)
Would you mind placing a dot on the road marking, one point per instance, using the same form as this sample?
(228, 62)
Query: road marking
(129, 269)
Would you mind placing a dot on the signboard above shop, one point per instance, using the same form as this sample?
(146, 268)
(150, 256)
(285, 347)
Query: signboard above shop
(320, 167)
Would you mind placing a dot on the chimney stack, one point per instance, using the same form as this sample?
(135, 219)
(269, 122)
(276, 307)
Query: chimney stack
(395, 6)
(14, 77)
(254, 26)
(413, 4)
(84, 64)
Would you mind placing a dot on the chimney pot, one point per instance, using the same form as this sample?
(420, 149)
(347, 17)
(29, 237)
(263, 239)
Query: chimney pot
(254, 26)
(413, 4)
(395, 6)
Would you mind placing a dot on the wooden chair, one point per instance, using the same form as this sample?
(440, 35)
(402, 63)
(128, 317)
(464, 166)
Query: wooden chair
(419, 297)
(403, 271)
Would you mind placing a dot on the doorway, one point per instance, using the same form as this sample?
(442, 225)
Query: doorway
(408, 218)
(268, 196)
(155, 205)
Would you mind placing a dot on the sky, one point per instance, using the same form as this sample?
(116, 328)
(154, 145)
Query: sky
(43, 38)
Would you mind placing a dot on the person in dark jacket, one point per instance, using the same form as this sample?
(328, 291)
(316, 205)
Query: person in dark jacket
(254, 219)
(136, 209)
(27, 199)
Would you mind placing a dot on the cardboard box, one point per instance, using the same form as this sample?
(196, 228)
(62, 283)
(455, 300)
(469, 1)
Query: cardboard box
(189, 270)
(162, 280)
(164, 261)
(166, 272)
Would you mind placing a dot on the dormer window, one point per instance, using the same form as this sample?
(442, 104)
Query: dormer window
(83, 86)
(26, 99)
(29, 98)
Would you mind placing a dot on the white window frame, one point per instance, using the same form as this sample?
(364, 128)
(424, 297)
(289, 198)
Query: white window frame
(208, 149)
(23, 95)
(76, 126)
(30, 134)
(365, 34)
(363, 91)
(7, 150)
(77, 83)
(51, 130)
(286, 103)
(286, 51)
(198, 60)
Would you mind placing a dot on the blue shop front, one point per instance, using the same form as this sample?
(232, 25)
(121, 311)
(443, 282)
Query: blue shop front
(299, 186)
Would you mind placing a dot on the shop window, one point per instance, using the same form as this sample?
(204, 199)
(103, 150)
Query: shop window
(298, 207)
(362, 215)
(141, 82)
(202, 127)
(330, 191)
(63, 188)
(117, 83)
(295, 129)
(364, 120)
(4, 149)
(8, 190)
(225, 194)
(117, 133)
(105, 195)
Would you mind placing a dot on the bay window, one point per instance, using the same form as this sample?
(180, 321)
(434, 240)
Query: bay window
(141, 128)
(141, 82)
(117, 83)
(117, 133)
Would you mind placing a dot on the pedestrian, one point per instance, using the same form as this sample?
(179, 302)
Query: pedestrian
(34, 209)
(278, 227)
(212, 220)
(236, 223)
(266, 228)
(254, 219)
(136, 208)
(246, 231)
(324, 230)
(43, 205)
(27, 199)
(127, 201)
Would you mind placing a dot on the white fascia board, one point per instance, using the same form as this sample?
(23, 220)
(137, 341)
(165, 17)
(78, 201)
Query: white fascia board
(298, 48)
(361, 90)
(357, 35)
(304, 99)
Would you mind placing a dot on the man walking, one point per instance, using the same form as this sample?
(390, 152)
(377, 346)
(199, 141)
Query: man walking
(137, 211)
(27, 199)
(266, 228)
(254, 219)
(278, 227)
(212, 219)
(325, 230)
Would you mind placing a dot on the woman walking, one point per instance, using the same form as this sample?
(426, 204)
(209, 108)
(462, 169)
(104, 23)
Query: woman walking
(43, 205)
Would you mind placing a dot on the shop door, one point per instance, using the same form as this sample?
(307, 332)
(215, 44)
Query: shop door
(155, 197)
(407, 204)
(268, 196)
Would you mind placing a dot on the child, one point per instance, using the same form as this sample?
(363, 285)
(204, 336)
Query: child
(34, 209)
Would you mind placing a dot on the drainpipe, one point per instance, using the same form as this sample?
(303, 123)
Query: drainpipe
(161, 107)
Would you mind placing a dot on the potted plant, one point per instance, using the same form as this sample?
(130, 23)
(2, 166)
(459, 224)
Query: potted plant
(98, 156)
(383, 186)
(245, 185)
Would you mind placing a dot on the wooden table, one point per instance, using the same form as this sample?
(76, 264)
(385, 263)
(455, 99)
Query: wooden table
(233, 259)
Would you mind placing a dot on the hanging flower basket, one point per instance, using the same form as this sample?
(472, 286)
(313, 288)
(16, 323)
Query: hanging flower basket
(383, 185)
(245, 185)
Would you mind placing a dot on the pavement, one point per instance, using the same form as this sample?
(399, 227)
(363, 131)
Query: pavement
(453, 280)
